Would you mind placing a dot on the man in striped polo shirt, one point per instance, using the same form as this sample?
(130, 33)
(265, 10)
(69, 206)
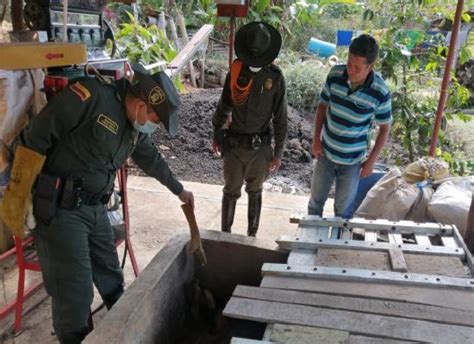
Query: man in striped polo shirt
(353, 100)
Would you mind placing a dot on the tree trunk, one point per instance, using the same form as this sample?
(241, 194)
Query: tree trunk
(184, 34)
(174, 33)
(17, 15)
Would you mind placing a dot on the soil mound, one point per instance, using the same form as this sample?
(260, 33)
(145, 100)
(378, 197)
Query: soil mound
(190, 157)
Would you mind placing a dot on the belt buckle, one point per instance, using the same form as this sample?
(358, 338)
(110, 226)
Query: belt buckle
(256, 141)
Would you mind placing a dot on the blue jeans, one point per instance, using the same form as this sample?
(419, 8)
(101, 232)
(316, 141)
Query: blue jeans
(347, 180)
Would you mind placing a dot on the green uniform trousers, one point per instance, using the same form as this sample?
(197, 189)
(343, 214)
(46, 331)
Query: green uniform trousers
(249, 165)
(76, 250)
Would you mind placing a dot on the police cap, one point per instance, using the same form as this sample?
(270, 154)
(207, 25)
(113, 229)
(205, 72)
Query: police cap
(160, 94)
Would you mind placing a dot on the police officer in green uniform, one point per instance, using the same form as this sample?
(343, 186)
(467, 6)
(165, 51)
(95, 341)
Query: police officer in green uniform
(75, 145)
(252, 109)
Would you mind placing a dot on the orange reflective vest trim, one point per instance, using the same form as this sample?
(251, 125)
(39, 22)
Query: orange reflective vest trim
(239, 94)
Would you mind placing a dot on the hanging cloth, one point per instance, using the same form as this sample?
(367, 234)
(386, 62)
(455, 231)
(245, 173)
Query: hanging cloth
(239, 94)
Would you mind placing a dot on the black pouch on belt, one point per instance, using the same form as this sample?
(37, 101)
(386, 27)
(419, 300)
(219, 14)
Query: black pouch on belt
(69, 197)
(45, 200)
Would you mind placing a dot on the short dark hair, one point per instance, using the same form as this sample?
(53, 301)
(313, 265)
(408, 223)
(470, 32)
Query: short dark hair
(365, 46)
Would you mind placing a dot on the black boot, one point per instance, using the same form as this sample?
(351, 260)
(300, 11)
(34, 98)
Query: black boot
(72, 337)
(253, 214)
(228, 211)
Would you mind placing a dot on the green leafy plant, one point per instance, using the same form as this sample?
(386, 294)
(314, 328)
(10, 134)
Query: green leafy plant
(304, 83)
(156, 5)
(145, 44)
(412, 58)
(458, 165)
(202, 12)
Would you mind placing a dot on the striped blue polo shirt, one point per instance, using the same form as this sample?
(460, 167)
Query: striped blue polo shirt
(351, 115)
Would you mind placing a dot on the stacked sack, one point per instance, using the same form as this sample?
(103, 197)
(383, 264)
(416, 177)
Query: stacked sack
(423, 193)
(20, 99)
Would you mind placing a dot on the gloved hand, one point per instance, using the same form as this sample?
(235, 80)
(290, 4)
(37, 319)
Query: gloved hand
(16, 208)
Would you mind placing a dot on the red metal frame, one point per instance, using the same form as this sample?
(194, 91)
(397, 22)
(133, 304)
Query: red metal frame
(443, 96)
(31, 262)
(226, 10)
(122, 181)
(24, 263)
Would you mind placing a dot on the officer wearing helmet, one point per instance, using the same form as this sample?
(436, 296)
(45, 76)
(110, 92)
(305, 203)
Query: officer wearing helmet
(70, 153)
(250, 121)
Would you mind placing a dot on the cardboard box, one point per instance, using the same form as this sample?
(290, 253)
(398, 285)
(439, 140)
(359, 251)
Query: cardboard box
(15, 56)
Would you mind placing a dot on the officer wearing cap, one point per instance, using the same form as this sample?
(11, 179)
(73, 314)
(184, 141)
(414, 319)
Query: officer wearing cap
(73, 149)
(251, 113)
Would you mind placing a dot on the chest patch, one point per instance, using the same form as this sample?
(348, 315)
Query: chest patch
(108, 123)
(268, 84)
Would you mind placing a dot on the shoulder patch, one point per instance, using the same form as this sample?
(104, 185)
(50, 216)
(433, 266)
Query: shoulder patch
(81, 91)
(108, 123)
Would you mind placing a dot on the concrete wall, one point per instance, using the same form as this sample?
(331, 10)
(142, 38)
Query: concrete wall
(153, 308)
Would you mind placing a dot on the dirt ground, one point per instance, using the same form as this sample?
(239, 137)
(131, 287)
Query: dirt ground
(190, 156)
(155, 218)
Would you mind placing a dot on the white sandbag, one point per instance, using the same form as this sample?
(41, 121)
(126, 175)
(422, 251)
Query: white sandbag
(451, 201)
(419, 210)
(426, 168)
(20, 98)
(390, 198)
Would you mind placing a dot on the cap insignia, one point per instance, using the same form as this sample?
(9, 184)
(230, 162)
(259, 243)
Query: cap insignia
(156, 96)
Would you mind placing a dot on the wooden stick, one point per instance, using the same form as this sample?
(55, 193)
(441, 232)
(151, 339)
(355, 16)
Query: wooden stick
(196, 244)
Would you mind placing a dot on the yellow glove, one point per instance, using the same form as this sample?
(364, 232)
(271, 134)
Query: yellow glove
(16, 205)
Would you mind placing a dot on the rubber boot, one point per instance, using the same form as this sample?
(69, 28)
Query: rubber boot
(71, 338)
(228, 211)
(253, 214)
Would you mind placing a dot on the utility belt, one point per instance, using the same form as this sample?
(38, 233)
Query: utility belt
(53, 192)
(247, 141)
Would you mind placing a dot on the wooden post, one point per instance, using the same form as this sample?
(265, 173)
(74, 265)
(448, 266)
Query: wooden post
(65, 8)
(3, 10)
(184, 35)
(17, 15)
(162, 22)
(231, 41)
(469, 234)
(447, 76)
(174, 33)
(203, 64)
(135, 10)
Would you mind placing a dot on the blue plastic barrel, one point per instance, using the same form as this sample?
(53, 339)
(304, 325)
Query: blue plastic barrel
(321, 48)
(343, 38)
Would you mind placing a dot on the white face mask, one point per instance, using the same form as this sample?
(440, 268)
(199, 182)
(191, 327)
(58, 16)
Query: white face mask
(255, 69)
(148, 128)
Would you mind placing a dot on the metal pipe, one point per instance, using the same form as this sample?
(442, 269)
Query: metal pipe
(231, 40)
(65, 8)
(447, 75)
